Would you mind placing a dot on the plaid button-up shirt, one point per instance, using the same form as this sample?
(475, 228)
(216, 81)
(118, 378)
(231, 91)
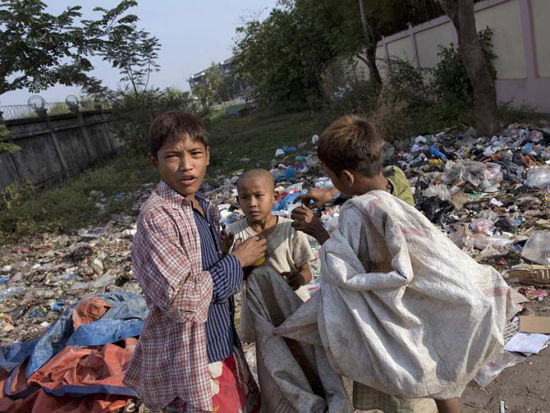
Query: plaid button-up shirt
(170, 360)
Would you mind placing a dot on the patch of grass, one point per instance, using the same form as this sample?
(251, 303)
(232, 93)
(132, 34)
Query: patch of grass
(256, 137)
(69, 206)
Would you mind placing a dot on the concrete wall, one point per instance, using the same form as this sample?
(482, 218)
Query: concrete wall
(56, 147)
(521, 39)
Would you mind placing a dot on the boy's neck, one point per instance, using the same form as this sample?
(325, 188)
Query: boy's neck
(365, 184)
(260, 226)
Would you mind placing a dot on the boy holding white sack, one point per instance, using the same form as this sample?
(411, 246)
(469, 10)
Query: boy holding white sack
(401, 308)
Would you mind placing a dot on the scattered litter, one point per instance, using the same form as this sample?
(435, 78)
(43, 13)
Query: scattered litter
(533, 324)
(527, 343)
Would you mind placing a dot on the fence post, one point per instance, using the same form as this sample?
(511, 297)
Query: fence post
(13, 159)
(412, 36)
(526, 15)
(107, 131)
(56, 145)
(86, 136)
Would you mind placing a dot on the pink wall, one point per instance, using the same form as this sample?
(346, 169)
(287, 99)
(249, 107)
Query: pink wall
(533, 91)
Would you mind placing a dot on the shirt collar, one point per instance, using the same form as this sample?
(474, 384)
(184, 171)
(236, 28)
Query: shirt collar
(176, 199)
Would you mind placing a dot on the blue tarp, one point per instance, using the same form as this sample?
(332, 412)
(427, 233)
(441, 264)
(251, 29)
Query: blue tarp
(124, 319)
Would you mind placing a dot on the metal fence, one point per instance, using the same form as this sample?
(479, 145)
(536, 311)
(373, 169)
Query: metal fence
(8, 112)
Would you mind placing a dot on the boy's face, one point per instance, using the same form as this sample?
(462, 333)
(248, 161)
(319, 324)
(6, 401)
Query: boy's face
(182, 165)
(256, 197)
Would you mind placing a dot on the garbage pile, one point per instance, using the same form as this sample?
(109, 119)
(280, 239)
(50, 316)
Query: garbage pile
(490, 195)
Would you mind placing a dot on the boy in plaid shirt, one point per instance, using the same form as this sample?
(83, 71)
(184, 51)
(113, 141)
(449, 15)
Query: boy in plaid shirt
(188, 357)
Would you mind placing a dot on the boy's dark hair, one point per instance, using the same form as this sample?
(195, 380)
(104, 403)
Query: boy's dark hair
(175, 125)
(351, 142)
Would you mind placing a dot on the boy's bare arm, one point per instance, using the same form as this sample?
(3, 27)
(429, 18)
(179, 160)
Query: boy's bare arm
(317, 197)
(306, 221)
(301, 276)
(226, 242)
(305, 271)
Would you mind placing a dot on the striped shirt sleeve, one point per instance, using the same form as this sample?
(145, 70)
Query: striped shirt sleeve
(227, 276)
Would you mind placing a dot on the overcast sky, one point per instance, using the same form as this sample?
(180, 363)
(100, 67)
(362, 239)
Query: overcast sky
(193, 33)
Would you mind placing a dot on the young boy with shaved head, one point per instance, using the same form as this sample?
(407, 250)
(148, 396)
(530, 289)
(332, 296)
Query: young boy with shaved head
(288, 250)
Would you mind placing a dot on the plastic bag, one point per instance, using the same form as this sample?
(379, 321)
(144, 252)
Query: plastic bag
(492, 177)
(538, 177)
(485, 176)
(537, 248)
(440, 191)
(491, 370)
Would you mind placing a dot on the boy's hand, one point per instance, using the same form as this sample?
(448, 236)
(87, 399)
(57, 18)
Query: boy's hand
(306, 221)
(294, 279)
(226, 243)
(320, 196)
(250, 251)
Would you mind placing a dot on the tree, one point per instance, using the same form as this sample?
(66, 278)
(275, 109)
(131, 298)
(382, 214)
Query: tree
(370, 46)
(38, 49)
(284, 57)
(134, 53)
(210, 90)
(461, 13)
(352, 28)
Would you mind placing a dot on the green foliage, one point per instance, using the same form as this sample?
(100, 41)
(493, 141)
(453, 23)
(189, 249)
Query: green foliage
(70, 206)
(13, 195)
(38, 49)
(358, 97)
(213, 89)
(6, 146)
(405, 80)
(134, 53)
(510, 113)
(283, 58)
(450, 80)
(135, 112)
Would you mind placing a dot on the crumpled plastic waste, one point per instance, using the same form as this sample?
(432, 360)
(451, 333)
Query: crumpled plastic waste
(538, 177)
(537, 248)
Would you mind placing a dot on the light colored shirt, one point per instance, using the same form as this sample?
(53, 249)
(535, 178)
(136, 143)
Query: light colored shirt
(287, 249)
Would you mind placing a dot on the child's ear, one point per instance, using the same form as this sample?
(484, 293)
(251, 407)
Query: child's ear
(153, 161)
(274, 198)
(347, 177)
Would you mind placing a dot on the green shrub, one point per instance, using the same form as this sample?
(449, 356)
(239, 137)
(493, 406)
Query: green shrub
(135, 112)
(359, 96)
(405, 80)
(509, 113)
(449, 79)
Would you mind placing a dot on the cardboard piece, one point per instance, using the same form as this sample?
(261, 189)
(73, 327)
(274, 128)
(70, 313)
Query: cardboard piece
(532, 324)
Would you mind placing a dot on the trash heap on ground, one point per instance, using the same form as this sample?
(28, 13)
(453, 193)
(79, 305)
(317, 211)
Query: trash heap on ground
(70, 310)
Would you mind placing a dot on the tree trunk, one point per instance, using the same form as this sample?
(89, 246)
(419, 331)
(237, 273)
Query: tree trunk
(370, 51)
(461, 13)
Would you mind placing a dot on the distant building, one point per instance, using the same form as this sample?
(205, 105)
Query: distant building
(238, 87)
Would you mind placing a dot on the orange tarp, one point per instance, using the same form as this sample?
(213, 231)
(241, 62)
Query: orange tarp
(89, 310)
(86, 366)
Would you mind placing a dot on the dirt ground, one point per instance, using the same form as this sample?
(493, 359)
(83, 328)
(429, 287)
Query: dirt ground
(524, 387)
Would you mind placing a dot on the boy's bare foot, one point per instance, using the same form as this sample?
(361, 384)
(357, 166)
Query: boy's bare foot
(448, 406)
